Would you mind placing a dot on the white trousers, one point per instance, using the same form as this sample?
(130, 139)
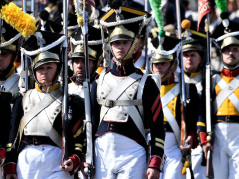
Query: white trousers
(173, 164)
(226, 151)
(40, 162)
(119, 157)
(199, 171)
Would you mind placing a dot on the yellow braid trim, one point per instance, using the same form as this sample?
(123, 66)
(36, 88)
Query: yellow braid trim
(21, 21)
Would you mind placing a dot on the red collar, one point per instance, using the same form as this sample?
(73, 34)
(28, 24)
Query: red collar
(137, 56)
(169, 81)
(230, 73)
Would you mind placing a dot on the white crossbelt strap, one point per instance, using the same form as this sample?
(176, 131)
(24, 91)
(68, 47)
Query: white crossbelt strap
(194, 80)
(11, 81)
(135, 115)
(121, 87)
(170, 95)
(167, 113)
(48, 127)
(140, 62)
(118, 91)
(140, 94)
(227, 92)
(39, 107)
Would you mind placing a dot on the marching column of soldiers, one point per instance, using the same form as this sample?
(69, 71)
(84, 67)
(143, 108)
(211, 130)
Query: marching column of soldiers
(112, 95)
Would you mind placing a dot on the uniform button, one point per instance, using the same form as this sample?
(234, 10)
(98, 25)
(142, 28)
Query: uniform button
(42, 148)
(125, 119)
(230, 88)
(25, 132)
(52, 117)
(125, 114)
(102, 92)
(111, 125)
(105, 117)
(130, 95)
(110, 128)
(54, 113)
(57, 110)
(26, 108)
(172, 104)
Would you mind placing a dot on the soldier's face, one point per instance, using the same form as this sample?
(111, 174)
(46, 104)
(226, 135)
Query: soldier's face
(161, 68)
(45, 73)
(230, 55)
(121, 47)
(191, 61)
(79, 68)
(5, 60)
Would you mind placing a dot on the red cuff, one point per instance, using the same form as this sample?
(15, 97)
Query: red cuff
(203, 137)
(155, 162)
(76, 162)
(3, 153)
(9, 168)
(195, 141)
(82, 158)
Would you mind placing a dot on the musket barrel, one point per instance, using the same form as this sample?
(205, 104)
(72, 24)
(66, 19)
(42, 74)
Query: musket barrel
(183, 92)
(24, 7)
(208, 79)
(33, 7)
(65, 66)
(147, 63)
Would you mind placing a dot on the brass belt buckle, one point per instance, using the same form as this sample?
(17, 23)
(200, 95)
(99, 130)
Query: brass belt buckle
(109, 103)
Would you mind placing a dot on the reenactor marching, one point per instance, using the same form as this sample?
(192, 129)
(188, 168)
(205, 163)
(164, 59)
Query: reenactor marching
(167, 67)
(8, 53)
(125, 102)
(78, 57)
(34, 148)
(194, 54)
(225, 103)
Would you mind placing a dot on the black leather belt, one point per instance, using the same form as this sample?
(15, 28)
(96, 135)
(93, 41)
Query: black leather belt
(38, 140)
(233, 119)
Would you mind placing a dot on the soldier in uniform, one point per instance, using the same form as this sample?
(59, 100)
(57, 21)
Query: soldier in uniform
(34, 149)
(8, 76)
(225, 104)
(167, 67)
(125, 103)
(5, 113)
(193, 62)
(78, 58)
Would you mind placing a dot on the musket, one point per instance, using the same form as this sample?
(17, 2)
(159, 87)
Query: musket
(86, 85)
(183, 136)
(147, 62)
(209, 170)
(24, 7)
(65, 116)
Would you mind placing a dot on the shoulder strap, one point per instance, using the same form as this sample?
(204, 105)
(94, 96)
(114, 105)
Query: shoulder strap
(11, 81)
(140, 94)
(227, 91)
(48, 127)
(170, 95)
(121, 87)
